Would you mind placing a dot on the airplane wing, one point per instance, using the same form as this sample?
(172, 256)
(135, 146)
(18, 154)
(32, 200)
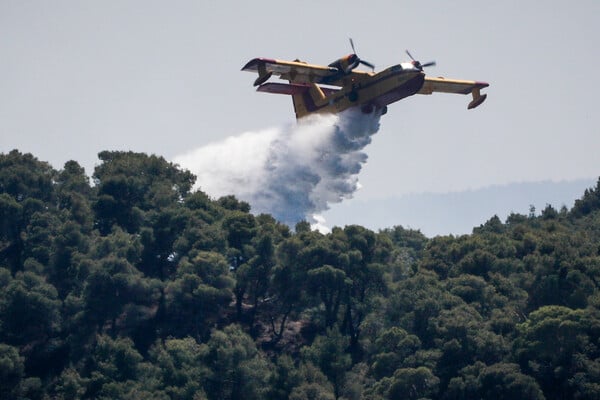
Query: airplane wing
(300, 72)
(295, 71)
(444, 85)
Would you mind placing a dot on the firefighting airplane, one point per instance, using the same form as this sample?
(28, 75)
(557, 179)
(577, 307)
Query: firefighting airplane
(338, 86)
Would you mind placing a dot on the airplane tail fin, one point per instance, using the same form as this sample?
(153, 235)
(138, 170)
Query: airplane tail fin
(300, 105)
(304, 103)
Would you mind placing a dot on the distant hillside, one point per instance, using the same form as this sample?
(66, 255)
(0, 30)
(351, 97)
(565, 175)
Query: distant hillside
(456, 212)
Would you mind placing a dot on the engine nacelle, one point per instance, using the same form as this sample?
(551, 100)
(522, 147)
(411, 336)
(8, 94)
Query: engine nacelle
(346, 64)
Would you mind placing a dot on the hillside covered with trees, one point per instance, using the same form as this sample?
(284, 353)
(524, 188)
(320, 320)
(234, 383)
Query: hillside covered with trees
(135, 286)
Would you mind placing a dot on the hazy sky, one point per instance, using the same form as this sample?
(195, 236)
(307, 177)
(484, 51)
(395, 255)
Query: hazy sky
(79, 77)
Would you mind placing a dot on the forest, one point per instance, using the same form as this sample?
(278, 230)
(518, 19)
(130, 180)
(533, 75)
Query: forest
(133, 285)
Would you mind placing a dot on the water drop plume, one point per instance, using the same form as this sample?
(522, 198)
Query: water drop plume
(293, 172)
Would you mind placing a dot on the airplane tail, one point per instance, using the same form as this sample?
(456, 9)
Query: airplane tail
(307, 98)
(300, 107)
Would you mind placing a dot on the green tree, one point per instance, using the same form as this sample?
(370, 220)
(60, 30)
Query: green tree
(23, 176)
(314, 385)
(130, 184)
(198, 297)
(554, 347)
(237, 369)
(115, 293)
(67, 268)
(240, 228)
(365, 255)
(413, 384)
(29, 310)
(328, 353)
(496, 381)
(11, 371)
(330, 284)
(116, 368)
(288, 285)
(392, 347)
(182, 371)
(286, 376)
(253, 278)
(74, 194)
(588, 203)
(70, 385)
(463, 339)
(11, 225)
(415, 303)
(505, 382)
(158, 237)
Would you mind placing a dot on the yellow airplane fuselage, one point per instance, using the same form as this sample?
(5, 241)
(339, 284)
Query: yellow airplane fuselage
(369, 91)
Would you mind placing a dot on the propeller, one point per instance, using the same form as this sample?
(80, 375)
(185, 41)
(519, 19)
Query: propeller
(363, 62)
(418, 64)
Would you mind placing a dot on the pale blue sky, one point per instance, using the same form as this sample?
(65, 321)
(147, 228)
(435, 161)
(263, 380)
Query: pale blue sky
(79, 77)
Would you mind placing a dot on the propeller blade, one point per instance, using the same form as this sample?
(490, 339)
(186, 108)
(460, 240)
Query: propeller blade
(368, 64)
(418, 63)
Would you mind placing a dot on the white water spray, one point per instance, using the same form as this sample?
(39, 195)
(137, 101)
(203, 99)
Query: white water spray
(293, 172)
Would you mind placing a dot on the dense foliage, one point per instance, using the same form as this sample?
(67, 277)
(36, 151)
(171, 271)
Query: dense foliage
(136, 286)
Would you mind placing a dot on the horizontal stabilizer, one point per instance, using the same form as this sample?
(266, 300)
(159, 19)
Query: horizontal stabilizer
(283, 88)
(291, 88)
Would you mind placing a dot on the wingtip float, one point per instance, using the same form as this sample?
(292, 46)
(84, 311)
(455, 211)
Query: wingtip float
(339, 86)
